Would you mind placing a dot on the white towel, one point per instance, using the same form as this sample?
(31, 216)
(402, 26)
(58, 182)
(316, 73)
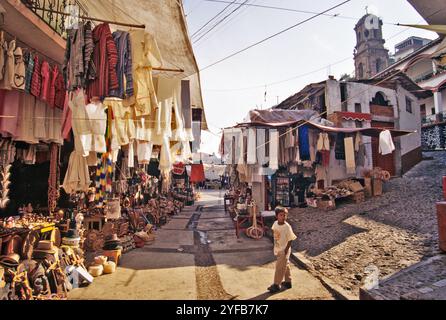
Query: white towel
(261, 136)
(240, 149)
(386, 145)
(350, 155)
(252, 144)
(274, 149)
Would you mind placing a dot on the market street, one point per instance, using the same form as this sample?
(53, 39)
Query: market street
(197, 256)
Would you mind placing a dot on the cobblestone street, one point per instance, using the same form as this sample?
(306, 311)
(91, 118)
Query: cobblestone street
(391, 232)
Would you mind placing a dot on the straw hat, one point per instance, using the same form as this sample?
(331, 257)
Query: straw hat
(96, 270)
(109, 267)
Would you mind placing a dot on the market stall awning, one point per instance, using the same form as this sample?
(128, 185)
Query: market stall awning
(277, 117)
(166, 22)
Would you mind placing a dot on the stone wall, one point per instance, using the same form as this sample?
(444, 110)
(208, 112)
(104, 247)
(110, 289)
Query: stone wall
(433, 137)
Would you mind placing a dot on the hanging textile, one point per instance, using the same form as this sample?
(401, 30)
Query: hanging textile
(274, 149)
(186, 108)
(323, 143)
(304, 143)
(197, 173)
(252, 143)
(104, 178)
(261, 136)
(340, 147)
(350, 155)
(8, 72)
(124, 68)
(53, 180)
(77, 177)
(386, 145)
(241, 146)
(178, 168)
(19, 70)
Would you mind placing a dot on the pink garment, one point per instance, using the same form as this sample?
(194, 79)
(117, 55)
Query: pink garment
(66, 119)
(45, 72)
(9, 110)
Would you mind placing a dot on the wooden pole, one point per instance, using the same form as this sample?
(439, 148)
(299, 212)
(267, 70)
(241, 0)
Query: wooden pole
(139, 26)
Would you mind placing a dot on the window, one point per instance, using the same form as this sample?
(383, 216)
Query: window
(408, 105)
(378, 65)
(380, 100)
(433, 110)
(343, 87)
(358, 108)
(360, 71)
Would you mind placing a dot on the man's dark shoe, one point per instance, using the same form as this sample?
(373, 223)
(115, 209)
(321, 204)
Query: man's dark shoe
(286, 285)
(274, 288)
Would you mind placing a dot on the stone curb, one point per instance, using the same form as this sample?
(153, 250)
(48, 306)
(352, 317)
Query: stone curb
(334, 288)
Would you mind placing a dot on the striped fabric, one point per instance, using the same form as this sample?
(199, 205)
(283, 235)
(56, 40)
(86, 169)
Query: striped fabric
(124, 67)
(29, 71)
(36, 81)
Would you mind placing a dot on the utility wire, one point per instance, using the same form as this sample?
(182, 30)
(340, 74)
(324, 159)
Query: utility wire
(220, 21)
(212, 19)
(336, 15)
(274, 35)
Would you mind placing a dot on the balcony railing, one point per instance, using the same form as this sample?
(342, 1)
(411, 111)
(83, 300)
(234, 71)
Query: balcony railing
(50, 11)
(434, 118)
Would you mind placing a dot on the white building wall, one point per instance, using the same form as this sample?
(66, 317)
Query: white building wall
(409, 121)
(333, 96)
(420, 68)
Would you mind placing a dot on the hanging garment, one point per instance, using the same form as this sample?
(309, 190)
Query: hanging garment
(124, 68)
(196, 130)
(274, 149)
(40, 123)
(325, 157)
(8, 76)
(304, 143)
(80, 123)
(105, 58)
(252, 143)
(241, 146)
(261, 136)
(77, 177)
(25, 120)
(197, 173)
(45, 71)
(73, 66)
(323, 143)
(98, 124)
(145, 56)
(66, 119)
(10, 104)
(178, 169)
(2, 54)
(186, 108)
(312, 140)
(386, 145)
(36, 82)
(350, 155)
(19, 70)
(153, 169)
(340, 147)
(167, 91)
(144, 128)
(54, 125)
(52, 87)
(59, 99)
(165, 156)
(29, 71)
(89, 67)
(144, 152)
(124, 121)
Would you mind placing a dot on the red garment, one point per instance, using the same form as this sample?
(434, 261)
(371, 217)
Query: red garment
(52, 87)
(59, 100)
(197, 173)
(105, 58)
(45, 73)
(178, 169)
(325, 157)
(36, 82)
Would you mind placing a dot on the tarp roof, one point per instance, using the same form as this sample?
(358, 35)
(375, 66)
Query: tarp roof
(165, 20)
(276, 118)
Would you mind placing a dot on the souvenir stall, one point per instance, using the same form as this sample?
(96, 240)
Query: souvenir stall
(290, 159)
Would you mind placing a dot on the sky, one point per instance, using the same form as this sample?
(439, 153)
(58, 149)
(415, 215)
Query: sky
(285, 64)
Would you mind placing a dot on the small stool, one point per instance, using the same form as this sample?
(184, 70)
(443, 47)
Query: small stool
(114, 255)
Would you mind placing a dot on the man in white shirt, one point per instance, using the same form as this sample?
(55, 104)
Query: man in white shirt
(283, 237)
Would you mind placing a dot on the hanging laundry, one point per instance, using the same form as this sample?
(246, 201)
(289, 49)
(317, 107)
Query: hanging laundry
(77, 177)
(274, 150)
(350, 155)
(105, 58)
(241, 146)
(124, 120)
(90, 70)
(261, 136)
(36, 81)
(323, 143)
(9, 67)
(73, 66)
(29, 59)
(340, 147)
(197, 173)
(26, 120)
(186, 108)
(386, 145)
(358, 140)
(124, 67)
(19, 70)
(252, 142)
(98, 124)
(80, 123)
(361, 156)
(304, 143)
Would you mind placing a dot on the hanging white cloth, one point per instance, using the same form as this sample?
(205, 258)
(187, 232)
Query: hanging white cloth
(386, 145)
(274, 149)
(77, 177)
(241, 149)
(252, 143)
(261, 136)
